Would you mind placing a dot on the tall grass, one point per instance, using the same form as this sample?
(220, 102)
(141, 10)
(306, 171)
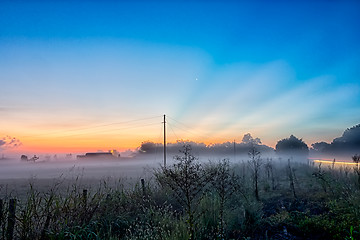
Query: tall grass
(220, 200)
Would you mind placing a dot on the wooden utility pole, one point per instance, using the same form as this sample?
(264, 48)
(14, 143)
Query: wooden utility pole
(234, 150)
(164, 141)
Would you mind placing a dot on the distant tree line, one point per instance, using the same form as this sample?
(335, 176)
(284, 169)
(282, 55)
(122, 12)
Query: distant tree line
(349, 142)
(226, 148)
(284, 146)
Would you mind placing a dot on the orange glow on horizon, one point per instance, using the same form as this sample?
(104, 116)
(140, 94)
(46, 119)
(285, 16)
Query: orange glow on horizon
(107, 137)
(76, 145)
(94, 143)
(85, 136)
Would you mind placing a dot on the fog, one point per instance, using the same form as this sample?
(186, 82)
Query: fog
(139, 166)
(17, 175)
(70, 168)
(141, 163)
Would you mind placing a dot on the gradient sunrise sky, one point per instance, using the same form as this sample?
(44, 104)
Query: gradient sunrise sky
(96, 75)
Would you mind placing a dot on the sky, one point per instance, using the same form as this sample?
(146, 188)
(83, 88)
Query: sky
(81, 76)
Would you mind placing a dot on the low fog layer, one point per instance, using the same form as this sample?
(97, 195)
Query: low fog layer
(101, 168)
(94, 168)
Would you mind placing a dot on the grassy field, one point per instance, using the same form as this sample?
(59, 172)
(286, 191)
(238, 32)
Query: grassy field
(259, 198)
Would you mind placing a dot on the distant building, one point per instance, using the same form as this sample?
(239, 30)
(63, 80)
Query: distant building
(96, 155)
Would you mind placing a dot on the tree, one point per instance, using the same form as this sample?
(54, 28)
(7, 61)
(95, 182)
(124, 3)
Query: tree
(255, 164)
(248, 139)
(149, 147)
(292, 145)
(350, 135)
(320, 146)
(187, 181)
(224, 182)
(348, 142)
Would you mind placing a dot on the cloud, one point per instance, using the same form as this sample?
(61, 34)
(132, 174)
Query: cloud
(8, 142)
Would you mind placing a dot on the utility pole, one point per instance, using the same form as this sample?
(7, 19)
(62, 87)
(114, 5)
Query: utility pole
(164, 141)
(234, 150)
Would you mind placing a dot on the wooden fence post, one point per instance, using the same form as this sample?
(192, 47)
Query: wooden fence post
(85, 197)
(143, 187)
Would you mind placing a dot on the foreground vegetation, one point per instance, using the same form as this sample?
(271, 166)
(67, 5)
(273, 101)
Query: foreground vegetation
(256, 199)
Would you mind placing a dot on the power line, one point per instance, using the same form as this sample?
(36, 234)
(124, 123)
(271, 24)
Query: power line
(98, 126)
(193, 132)
(131, 124)
(173, 131)
(110, 130)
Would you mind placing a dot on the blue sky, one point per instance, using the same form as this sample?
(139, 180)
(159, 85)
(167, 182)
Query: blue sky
(224, 68)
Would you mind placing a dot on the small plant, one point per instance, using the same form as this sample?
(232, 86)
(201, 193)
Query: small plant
(353, 234)
(323, 178)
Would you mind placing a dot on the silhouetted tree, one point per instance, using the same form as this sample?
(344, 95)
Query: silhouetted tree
(291, 145)
(350, 135)
(225, 148)
(148, 147)
(255, 164)
(320, 146)
(248, 139)
(349, 142)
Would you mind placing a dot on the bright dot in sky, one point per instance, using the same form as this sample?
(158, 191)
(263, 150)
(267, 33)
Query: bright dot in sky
(196, 79)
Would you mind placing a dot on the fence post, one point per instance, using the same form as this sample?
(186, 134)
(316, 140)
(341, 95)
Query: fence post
(143, 187)
(11, 220)
(84, 195)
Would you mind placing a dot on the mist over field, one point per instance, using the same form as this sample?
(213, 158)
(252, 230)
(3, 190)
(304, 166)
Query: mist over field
(87, 169)
(149, 155)
(244, 184)
(135, 167)
(179, 120)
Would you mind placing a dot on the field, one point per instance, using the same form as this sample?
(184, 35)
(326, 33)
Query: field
(253, 198)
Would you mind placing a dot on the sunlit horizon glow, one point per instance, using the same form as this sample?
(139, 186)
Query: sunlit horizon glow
(86, 76)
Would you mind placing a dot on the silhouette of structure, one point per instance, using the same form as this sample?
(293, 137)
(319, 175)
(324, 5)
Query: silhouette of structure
(107, 155)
